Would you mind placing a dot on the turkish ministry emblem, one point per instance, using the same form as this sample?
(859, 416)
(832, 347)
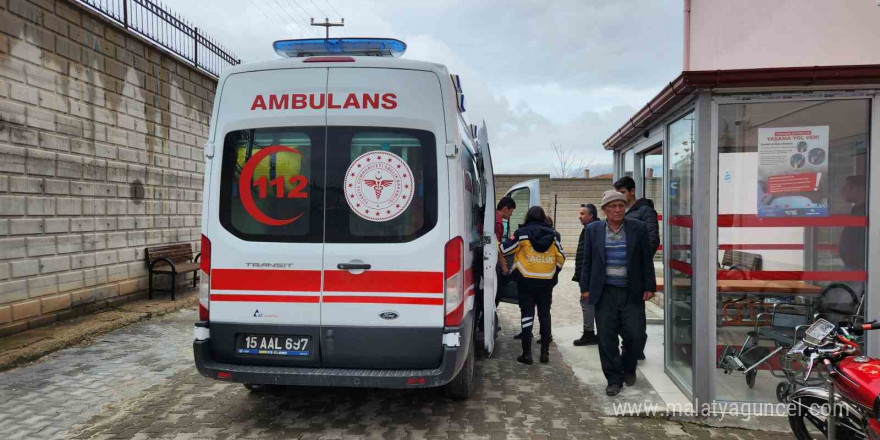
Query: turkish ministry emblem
(379, 186)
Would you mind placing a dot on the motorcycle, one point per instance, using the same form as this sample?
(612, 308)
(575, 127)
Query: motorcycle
(848, 406)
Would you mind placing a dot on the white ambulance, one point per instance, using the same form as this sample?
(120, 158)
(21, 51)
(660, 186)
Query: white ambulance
(345, 228)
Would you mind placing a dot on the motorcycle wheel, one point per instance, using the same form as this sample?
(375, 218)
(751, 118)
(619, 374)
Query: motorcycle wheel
(808, 422)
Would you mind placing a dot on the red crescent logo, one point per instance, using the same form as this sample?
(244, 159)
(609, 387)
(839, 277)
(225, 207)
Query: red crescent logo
(244, 186)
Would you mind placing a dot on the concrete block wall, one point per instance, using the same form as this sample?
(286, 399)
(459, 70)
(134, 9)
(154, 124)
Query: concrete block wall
(568, 195)
(100, 156)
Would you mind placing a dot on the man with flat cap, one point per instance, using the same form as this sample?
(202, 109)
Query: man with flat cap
(617, 277)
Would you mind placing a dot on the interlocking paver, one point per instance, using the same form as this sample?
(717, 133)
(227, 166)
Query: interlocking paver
(45, 399)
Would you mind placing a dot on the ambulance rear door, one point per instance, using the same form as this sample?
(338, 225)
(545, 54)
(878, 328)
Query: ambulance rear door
(266, 218)
(387, 220)
(490, 242)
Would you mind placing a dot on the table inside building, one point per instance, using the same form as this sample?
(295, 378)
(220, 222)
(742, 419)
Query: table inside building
(745, 299)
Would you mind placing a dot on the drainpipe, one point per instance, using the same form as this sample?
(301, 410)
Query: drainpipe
(687, 36)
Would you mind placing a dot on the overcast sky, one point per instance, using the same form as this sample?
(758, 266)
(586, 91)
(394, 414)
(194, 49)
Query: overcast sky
(538, 71)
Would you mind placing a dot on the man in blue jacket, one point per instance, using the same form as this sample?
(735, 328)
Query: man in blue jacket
(617, 277)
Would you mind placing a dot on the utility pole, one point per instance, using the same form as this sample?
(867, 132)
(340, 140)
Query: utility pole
(327, 25)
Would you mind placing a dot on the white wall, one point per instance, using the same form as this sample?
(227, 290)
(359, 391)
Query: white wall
(744, 34)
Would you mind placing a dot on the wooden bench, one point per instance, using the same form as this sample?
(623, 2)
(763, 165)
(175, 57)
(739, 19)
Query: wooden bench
(173, 259)
(742, 262)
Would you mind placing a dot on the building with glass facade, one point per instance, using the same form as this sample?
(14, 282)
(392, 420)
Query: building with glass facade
(762, 174)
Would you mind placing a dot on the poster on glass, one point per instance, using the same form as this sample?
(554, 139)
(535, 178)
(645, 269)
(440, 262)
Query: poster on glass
(792, 171)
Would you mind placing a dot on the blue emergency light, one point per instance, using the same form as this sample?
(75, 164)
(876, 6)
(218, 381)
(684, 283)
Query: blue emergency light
(376, 47)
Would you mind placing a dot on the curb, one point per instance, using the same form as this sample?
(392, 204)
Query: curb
(28, 346)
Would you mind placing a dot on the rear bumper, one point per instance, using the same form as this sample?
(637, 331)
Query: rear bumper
(451, 363)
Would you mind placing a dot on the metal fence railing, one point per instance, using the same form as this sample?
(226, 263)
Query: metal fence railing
(167, 30)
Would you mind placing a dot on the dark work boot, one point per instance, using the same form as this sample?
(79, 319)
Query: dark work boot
(526, 357)
(545, 352)
(588, 338)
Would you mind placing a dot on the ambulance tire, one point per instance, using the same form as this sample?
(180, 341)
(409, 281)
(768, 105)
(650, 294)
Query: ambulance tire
(462, 386)
(256, 387)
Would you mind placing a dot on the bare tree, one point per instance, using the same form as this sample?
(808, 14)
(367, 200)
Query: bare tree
(568, 164)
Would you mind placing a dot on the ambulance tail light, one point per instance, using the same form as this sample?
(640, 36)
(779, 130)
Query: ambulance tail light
(454, 282)
(205, 280)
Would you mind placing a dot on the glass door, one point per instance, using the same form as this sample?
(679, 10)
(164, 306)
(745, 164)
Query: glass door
(652, 189)
(678, 292)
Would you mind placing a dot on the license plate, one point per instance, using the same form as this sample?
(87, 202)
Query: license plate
(274, 345)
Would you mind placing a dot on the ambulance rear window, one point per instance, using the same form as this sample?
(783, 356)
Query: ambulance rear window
(368, 203)
(271, 182)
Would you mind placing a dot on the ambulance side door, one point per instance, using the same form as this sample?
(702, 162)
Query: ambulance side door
(490, 242)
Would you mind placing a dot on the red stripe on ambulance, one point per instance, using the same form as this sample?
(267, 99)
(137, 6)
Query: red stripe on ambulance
(384, 300)
(383, 281)
(283, 280)
(266, 280)
(265, 298)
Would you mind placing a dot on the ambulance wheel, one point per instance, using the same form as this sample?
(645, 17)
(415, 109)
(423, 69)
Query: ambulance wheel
(463, 385)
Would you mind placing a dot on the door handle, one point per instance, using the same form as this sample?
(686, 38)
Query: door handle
(353, 266)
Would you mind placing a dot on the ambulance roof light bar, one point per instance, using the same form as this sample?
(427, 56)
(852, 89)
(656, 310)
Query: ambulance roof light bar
(377, 47)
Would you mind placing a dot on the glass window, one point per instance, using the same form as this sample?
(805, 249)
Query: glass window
(473, 187)
(271, 184)
(521, 197)
(679, 295)
(652, 181)
(349, 147)
(792, 217)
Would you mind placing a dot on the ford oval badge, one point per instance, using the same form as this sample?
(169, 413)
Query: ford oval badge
(388, 315)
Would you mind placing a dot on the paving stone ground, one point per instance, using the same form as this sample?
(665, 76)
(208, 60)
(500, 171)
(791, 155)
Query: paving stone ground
(42, 400)
(140, 383)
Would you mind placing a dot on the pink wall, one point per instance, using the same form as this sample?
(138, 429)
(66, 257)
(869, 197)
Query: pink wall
(743, 34)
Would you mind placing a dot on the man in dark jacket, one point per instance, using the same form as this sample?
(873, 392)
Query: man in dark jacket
(640, 209)
(617, 277)
(586, 215)
(643, 210)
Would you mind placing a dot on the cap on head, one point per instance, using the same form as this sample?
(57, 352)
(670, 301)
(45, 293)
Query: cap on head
(612, 196)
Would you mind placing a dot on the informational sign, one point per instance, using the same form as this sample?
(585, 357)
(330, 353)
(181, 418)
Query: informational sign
(792, 171)
(673, 187)
(379, 186)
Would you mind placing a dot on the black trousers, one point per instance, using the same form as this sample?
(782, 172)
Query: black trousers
(529, 298)
(618, 317)
(644, 327)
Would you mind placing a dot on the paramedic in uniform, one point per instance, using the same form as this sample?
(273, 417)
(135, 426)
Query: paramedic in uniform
(537, 260)
(617, 278)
